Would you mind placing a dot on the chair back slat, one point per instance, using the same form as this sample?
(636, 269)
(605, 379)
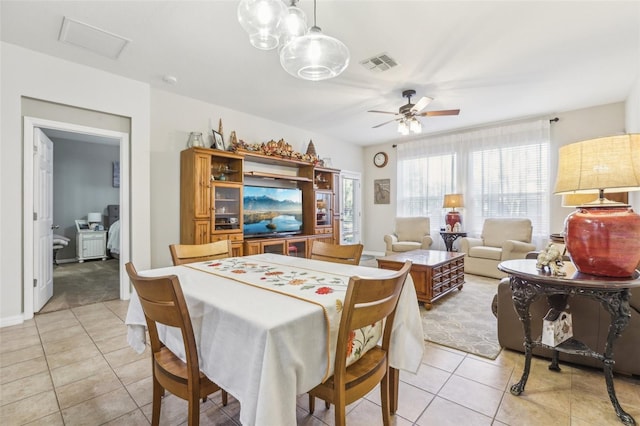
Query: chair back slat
(190, 253)
(348, 254)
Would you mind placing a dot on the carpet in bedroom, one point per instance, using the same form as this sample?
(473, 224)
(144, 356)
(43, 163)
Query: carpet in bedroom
(79, 284)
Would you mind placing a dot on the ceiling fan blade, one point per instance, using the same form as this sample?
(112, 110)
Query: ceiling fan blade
(383, 112)
(441, 112)
(386, 122)
(421, 104)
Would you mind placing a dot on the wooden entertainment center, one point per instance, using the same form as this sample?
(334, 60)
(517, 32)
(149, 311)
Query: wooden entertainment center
(211, 199)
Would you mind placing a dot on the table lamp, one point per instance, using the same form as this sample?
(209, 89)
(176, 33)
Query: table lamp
(453, 217)
(602, 237)
(94, 219)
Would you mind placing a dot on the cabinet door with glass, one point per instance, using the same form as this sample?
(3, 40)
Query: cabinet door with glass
(324, 209)
(226, 207)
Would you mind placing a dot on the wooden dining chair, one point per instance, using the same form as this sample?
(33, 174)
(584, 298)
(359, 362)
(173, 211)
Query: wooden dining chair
(349, 254)
(189, 253)
(368, 300)
(163, 302)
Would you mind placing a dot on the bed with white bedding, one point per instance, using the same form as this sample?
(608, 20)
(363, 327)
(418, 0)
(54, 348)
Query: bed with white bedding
(113, 240)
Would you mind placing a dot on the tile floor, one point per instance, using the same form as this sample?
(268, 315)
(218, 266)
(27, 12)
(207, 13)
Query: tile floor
(73, 367)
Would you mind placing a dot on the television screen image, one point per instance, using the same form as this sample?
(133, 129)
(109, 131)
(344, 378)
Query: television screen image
(269, 210)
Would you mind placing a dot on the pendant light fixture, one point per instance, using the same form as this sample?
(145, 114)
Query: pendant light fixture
(314, 56)
(293, 25)
(261, 19)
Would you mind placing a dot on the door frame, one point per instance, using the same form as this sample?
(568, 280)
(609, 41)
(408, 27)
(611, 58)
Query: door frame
(29, 125)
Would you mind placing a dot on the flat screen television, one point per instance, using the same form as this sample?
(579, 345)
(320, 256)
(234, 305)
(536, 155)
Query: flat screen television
(270, 211)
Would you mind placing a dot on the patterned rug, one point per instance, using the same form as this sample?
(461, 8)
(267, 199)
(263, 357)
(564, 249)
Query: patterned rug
(463, 319)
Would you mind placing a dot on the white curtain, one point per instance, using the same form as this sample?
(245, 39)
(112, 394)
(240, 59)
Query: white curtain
(503, 171)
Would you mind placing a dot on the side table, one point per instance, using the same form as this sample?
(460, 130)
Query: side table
(450, 237)
(528, 284)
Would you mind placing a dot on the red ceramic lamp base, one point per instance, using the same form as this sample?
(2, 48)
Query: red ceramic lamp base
(604, 241)
(451, 219)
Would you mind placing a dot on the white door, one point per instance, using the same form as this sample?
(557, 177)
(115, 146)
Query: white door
(42, 219)
(350, 196)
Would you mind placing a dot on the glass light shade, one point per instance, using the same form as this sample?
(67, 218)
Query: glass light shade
(94, 217)
(293, 25)
(314, 56)
(403, 129)
(260, 18)
(453, 201)
(415, 125)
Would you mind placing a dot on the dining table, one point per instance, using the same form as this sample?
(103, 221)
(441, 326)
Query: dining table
(266, 327)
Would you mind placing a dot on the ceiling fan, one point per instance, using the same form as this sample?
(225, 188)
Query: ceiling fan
(407, 113)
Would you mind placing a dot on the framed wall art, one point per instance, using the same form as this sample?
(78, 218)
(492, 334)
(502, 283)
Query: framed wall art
(218, 141)
(382, 191)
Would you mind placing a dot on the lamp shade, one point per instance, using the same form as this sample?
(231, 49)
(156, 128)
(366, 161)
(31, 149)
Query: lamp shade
(602, 238)
(314, 56)
(261, 18)
(453, 201)
(94, 217)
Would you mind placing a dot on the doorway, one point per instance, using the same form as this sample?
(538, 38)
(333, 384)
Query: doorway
(33, 262)
(350, 202)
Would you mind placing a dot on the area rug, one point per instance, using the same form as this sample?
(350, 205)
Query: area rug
(463, 319)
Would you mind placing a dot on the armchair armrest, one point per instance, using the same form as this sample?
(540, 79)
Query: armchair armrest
(466, 243)
(512, 249)
(389, 240)
(426, 242)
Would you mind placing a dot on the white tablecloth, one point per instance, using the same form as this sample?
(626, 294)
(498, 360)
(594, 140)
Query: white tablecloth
(257, 344)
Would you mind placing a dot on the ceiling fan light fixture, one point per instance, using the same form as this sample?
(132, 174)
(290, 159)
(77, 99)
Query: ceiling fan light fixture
(415, 125)
(314, 56)
(260, 19)
(403, 128)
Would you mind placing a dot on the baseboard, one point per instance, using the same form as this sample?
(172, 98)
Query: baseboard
(373, 253)
(14, 320)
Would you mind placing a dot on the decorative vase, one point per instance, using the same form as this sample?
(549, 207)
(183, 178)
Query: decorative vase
(452, 218)
(604, 241)
(195, 140)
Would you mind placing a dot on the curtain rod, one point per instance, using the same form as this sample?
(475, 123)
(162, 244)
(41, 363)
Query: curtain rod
(551, 120)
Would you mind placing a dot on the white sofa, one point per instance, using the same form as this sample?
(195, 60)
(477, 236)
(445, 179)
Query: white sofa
(502, 239)
(411, 233)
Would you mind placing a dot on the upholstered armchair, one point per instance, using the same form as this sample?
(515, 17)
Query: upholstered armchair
(501, 239)
(411, 233)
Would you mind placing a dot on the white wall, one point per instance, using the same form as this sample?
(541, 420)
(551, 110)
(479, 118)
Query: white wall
(174, 116)
(25, 73)
(573, 126)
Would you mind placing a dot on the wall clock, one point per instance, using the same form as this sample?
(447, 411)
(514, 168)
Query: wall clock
(380, 159)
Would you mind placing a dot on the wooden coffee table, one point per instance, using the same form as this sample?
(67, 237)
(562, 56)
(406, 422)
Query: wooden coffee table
(435, 273)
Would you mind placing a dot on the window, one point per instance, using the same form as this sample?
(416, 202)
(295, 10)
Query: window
(502, 172)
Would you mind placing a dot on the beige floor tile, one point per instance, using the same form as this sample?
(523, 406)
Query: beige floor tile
(174, 411)
(22, 326)
(519, 411)
(112, 344)
(107, 333)
(62, 334)
(412, 401)
(22, 369)
(9, 334)
(53, 316)
(29, 409)
(134, 371)
(598, 411)
(134, 418)
(23, 388)
(79, 370)
(92, 310)
(67, 344)
(446, 413)
(126, 355)
(90, 387)
(16, 344)
(488, 374)
(428, 378)
(54, 419)
(440, 358)
(46, 327)
(142, 391)
(21, 355)
(476, 396)
(99, 410)
(215, 416)
(97, 324)
(366, 413)
(78, 354)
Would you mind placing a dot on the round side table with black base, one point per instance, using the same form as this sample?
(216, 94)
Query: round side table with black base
(450, 237)
(529, 284)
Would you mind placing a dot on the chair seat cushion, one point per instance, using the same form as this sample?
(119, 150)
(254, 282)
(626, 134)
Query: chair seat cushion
(486, 252)
(406, 246)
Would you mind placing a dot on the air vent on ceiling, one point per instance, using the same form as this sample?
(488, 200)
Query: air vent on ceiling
(91, 38)
(379, 63)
